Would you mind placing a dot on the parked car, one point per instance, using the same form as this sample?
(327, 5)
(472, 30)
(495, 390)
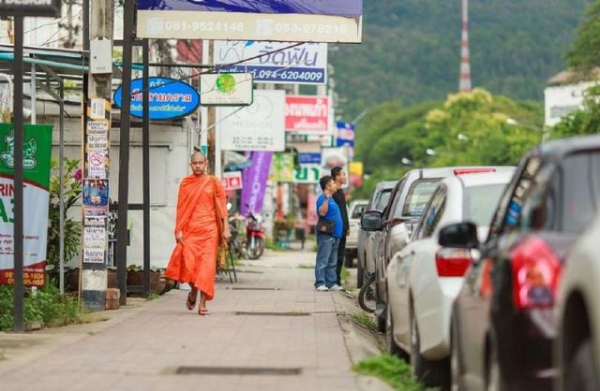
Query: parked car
(424, 277)
(503, 320)
(408, 198)
(355, 210)
(577, 346)
(378, 201)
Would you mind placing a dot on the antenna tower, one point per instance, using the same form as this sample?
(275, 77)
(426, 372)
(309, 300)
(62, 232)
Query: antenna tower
(464, 83)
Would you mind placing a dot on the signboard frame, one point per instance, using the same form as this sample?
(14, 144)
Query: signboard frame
(53, 9)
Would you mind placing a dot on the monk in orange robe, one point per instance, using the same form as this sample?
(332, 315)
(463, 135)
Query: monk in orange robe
(194, 259)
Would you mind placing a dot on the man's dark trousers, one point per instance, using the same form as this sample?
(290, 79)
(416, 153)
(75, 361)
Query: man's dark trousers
(340, 259)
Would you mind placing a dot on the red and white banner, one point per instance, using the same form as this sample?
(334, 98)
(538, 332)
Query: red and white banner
(307, 114)
(232, 180)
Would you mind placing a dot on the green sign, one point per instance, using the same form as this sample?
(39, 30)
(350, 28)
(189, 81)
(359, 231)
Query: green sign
(37, 151)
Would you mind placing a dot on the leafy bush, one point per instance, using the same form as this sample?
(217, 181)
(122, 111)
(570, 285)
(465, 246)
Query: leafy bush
(45, 305)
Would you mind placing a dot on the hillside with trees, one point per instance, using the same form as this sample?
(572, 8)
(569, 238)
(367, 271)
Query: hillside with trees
(411, 49)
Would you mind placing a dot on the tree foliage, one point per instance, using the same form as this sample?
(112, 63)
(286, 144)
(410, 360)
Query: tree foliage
(473, 128)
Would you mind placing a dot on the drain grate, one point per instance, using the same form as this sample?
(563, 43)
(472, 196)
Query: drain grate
(236, 371)
(241, 288)
(272, 313)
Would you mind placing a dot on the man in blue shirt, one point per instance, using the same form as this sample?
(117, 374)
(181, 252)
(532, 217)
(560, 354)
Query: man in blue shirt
(327, 244)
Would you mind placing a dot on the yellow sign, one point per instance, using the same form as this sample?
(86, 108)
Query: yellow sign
(356, 168)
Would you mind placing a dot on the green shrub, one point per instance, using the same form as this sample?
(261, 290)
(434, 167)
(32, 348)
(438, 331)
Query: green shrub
(391, 369)
(45, 305)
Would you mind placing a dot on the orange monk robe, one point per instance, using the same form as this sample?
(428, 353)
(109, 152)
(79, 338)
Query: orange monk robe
(194, 258)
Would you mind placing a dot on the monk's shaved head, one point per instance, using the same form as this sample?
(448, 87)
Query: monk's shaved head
(196, 155)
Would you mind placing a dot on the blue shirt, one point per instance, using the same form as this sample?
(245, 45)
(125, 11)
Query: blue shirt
(333, 213)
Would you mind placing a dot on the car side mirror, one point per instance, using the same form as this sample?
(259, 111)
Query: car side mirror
(460, 235)
(371, 221)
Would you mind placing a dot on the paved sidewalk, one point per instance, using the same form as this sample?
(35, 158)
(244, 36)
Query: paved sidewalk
(269, 331)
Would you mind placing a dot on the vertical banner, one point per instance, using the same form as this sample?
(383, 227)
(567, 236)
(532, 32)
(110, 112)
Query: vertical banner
(345, 134)
(255, 183)
(37, 150)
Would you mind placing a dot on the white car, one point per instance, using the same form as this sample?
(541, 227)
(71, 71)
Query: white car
(424, 278)
(355, 210)
(577, 345)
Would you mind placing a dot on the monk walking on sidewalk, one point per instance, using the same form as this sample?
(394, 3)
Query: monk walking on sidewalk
(201, 225)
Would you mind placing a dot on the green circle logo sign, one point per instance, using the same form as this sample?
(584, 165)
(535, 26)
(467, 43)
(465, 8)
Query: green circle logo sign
(225, 83)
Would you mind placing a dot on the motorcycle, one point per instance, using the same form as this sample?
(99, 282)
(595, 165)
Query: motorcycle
(255, 236)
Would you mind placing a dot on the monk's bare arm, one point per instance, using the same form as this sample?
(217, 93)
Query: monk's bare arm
(223, 205)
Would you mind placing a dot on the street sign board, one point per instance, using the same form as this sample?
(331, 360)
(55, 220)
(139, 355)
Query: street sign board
(49, 8)
(307, 114)
(168, 98)
(258, 127)
(226, 89)
(275, 62)
(277, 20)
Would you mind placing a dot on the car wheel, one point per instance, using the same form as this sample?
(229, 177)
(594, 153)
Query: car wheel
(430, 373)
(390, 344)
(580, 372)
(495, 379)
(455, 366)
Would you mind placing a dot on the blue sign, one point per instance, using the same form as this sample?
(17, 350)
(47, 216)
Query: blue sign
(350, 8)
(169, 98)
(309, 158)
(345, 134)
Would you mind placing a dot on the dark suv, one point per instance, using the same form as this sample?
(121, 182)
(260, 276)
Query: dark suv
(503, 320)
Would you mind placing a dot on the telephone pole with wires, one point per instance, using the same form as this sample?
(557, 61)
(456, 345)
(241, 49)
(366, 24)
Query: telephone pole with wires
(96, 125)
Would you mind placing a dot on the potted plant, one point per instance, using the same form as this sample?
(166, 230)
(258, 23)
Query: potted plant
(72, 188)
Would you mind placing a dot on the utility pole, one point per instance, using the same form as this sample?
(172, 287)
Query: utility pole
(97, 120)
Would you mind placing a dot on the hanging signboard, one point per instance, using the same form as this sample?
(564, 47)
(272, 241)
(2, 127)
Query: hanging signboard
(276, 20)
(37, 147)
(49, 8)
(258, 127)
(168, 98)
(307, 114)
(307, 173)
(226, 89)
(273, 63)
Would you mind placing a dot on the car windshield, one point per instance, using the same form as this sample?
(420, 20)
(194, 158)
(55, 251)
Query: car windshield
(481, 202)
(384, 197)
(417, 197)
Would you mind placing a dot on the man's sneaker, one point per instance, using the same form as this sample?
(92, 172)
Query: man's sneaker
(322, 288)
(336, 287)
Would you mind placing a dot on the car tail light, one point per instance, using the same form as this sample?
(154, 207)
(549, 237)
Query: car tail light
(536, 269)
(463, 171)
(452, 262)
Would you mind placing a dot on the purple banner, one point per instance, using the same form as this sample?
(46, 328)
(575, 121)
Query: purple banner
(313, 7)
(255, 182)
